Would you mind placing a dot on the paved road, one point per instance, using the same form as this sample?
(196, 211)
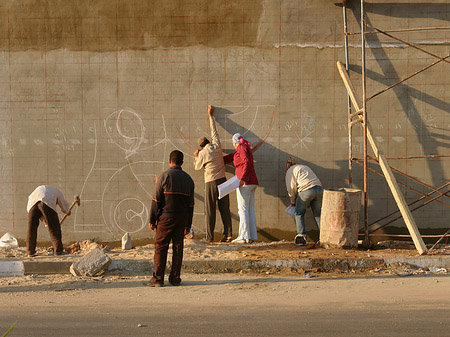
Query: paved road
(228, 305)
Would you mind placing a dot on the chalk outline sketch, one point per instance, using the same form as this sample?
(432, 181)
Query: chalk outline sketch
(136, 139)
(135, 147)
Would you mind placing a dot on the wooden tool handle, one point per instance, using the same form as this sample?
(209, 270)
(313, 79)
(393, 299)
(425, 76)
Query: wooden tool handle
(70, 209)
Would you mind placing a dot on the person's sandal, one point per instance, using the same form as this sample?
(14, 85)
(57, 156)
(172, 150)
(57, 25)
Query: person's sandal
(226, 239)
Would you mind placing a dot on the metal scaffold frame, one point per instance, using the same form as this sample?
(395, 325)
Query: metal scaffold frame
(361, 117)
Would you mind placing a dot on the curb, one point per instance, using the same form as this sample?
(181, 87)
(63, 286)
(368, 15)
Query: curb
(47, 267)
(11, 268)
(145, 267)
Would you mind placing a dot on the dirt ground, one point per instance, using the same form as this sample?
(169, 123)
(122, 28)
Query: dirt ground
(198, 250)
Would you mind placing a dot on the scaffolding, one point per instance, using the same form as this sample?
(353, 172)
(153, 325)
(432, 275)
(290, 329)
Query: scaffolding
(360, 107)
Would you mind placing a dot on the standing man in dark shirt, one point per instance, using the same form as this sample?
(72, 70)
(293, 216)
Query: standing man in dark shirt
(171, 217)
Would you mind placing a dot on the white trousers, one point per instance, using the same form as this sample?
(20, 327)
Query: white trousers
(246, 209)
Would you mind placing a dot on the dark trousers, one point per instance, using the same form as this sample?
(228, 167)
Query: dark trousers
(169, 229)
(41, 210)
(211, 197)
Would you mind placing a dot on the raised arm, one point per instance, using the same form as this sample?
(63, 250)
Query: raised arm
(215, 140)
(256, 147)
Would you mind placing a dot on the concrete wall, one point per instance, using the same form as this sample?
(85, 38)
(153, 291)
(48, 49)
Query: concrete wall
(95, 95)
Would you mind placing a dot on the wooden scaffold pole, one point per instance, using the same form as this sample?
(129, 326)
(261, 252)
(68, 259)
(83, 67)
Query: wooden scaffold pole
(389, 176)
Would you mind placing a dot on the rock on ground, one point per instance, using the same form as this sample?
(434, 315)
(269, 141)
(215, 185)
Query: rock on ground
(91, 264)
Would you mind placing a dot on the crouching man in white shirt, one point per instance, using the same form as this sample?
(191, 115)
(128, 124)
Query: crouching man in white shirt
(42, 205)
(304, 189)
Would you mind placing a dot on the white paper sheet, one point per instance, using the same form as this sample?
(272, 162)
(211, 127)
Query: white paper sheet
(227, 187)
(290, 210)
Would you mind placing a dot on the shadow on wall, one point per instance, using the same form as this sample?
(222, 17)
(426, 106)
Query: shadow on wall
(407, 96)
(431, 138)
(330, 178)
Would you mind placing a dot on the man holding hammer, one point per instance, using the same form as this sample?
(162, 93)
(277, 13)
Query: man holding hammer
(42, 205)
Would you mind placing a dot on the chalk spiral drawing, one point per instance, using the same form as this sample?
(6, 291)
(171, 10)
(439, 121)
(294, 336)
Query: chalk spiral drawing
(132, 134)
(122, 202)
(117, 198)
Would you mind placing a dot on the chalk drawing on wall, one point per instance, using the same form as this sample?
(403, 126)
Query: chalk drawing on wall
(302, 127)
(117, 190)
(128, 155)
(126, 129)
(251, 128)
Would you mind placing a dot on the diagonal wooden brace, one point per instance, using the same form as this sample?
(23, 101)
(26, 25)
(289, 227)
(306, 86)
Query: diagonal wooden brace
(390, 178)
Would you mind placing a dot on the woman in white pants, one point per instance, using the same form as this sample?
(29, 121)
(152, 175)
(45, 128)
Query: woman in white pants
(243, 161)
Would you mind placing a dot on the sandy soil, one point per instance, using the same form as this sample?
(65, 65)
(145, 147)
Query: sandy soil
(198, 250)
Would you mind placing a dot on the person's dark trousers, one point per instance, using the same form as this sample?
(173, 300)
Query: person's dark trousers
(211, 197)
(169, 229)
(38, 211)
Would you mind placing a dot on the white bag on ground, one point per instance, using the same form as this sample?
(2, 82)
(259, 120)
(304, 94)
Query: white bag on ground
(8, 241)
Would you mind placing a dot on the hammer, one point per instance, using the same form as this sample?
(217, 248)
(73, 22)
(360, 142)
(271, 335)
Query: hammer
(75, 201)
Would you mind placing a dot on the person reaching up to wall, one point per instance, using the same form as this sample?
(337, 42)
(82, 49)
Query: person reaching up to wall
(210, 158)
(242, 159)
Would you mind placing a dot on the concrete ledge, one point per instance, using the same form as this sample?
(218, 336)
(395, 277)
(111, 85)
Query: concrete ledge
(423, 261)
(47, 267)
(279, 264)
(145, 267)
(345, 264)
(131, 266)
(11, 268)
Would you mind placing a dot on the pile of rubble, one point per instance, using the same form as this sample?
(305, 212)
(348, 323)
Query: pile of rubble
(85, 247)
(406, 269)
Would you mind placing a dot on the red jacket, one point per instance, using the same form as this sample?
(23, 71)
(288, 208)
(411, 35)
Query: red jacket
(243, 161)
